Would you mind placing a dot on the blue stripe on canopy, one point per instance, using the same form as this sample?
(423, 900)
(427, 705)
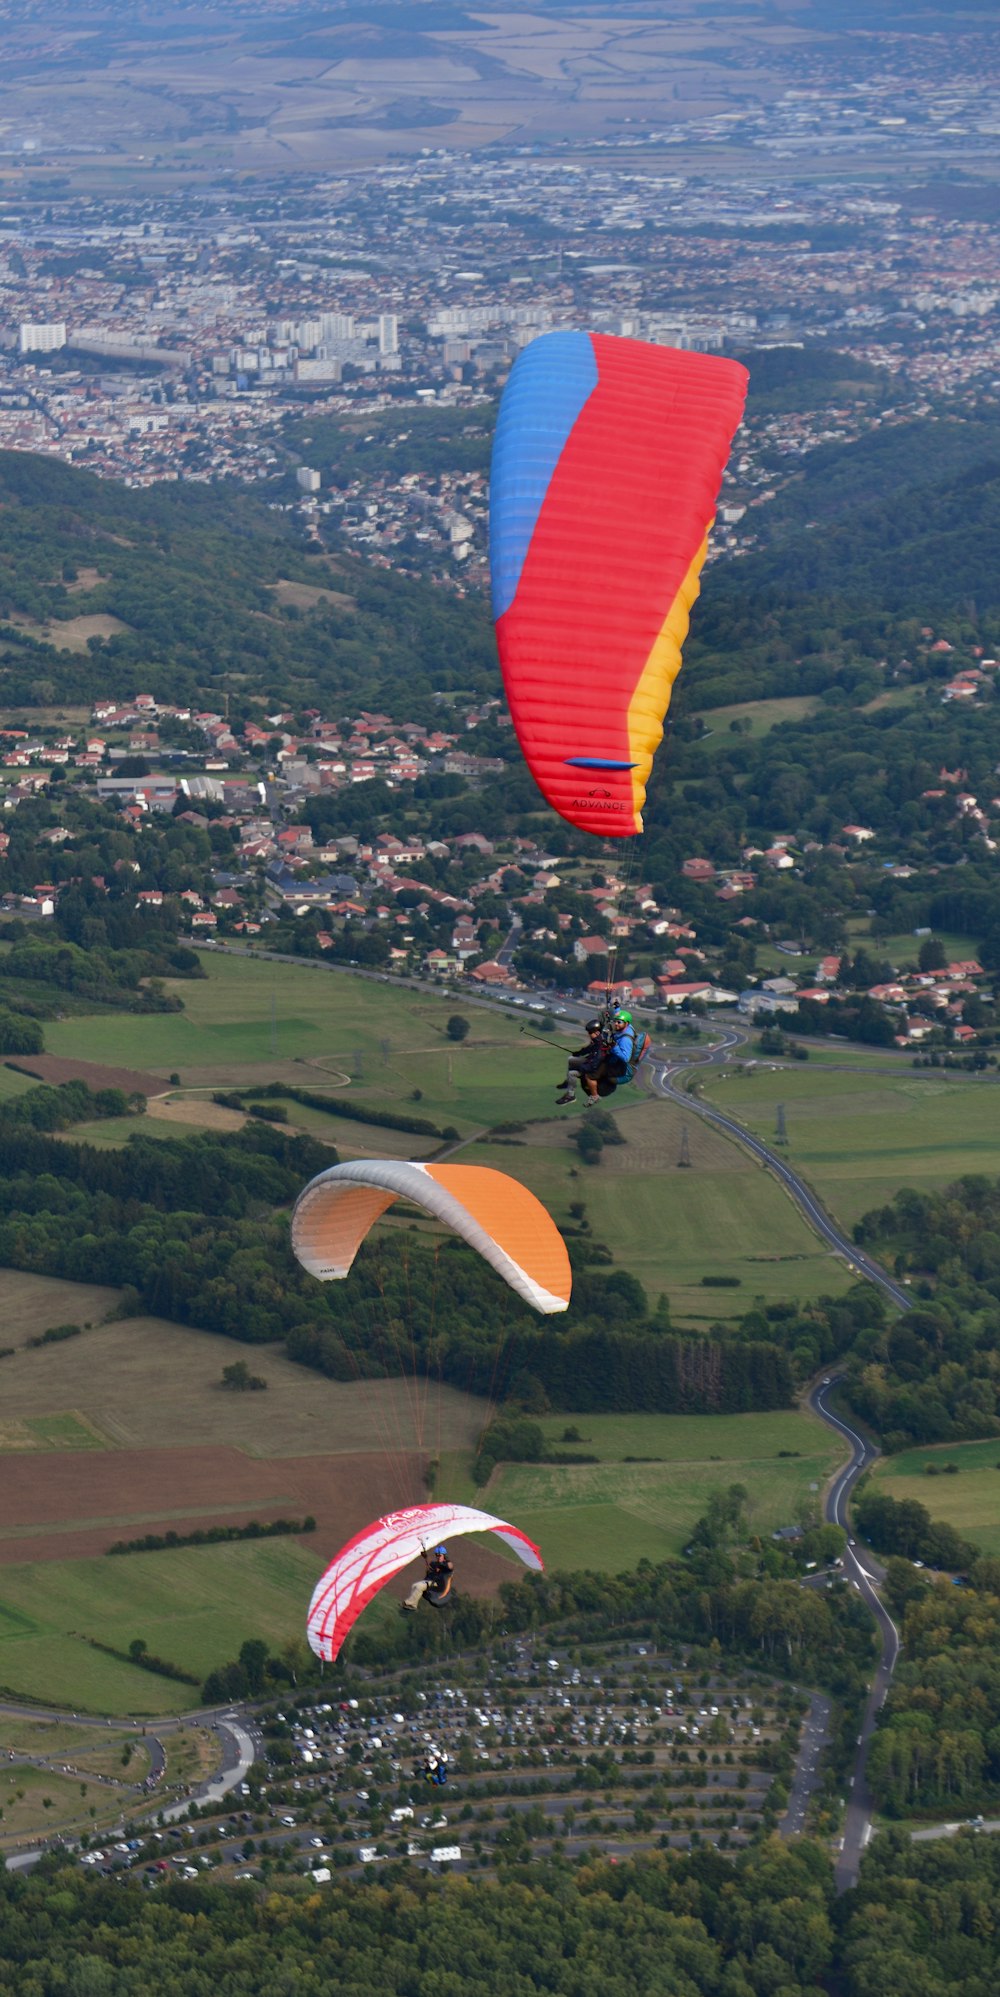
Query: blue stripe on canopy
(597, 763)
(549, 384)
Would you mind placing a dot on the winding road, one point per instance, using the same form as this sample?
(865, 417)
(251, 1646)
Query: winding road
(863, 1576)
(664, 1077)
(238, 1750)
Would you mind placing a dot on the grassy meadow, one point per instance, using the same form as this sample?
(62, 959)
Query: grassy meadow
(194, 1606)
(144, 1384)
(970, 1502)
(756, 718)
(250, 1021)
(671, 1225)
(608, 1515)
(858, 1139)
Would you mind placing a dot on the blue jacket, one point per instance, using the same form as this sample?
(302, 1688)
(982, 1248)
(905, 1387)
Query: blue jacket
(623, 1046)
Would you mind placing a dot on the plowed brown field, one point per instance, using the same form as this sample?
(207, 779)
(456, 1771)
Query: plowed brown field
(72, 1507)
(55, 1068)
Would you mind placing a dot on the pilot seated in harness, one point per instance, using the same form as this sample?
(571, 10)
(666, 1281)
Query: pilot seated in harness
(434, 1585)
(612, 1055)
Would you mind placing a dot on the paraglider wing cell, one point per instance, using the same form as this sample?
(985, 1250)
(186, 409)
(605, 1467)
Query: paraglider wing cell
(606, 467)
(496, 1215)
(373, 1556)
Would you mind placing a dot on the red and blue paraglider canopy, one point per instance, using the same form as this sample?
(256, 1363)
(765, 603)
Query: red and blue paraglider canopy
(606, 468)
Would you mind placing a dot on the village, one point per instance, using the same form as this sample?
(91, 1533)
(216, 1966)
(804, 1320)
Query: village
(499, 913)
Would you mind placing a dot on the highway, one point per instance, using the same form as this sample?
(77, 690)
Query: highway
(863, 1576)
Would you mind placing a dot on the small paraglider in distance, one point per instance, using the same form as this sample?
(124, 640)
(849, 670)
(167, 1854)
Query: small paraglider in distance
(607, 462)
(381, 1551)
(436, 1768)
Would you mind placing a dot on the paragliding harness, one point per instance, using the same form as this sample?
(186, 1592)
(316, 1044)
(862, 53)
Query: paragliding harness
(437, 1591)
(640, 1048)
(641, 1044)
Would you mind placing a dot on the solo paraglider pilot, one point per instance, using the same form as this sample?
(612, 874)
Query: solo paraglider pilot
(434, 1585)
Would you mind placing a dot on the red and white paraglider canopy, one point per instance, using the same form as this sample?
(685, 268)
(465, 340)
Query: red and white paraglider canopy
(381, 1550)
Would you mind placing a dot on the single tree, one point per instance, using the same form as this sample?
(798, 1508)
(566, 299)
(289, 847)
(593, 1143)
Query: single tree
(239, 1379)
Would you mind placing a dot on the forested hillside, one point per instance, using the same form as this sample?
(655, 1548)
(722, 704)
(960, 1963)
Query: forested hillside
(877, 578)
(863, 546)
(190, 571)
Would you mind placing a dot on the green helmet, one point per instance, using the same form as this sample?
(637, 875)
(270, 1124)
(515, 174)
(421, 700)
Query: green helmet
(623, 1019)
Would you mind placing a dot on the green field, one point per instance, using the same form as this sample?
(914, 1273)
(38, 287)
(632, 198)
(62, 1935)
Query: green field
(763, 715)
(111, 1132)
(326, 1027)
(850, 1055)
(610, 1514)
(903, 947)
(667, 1225)
(859, 1139)
(12, 1082)
(670, 1226)
(970, 1502)
(194, 1606)
(778, 964)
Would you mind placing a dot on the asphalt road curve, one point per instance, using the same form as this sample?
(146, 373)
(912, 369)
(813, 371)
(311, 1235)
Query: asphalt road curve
(238, 1753)
(797, 1189)
(862, 1574)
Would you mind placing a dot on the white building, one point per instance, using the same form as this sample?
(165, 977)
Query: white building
(306, 479)
(41, 336)
(753, 1004)
(319, 370)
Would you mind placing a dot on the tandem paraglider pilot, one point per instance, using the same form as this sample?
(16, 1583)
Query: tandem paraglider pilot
(434, 1585)
(613, 1052)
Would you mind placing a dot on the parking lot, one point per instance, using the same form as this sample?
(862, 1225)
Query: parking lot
(616, 1749)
